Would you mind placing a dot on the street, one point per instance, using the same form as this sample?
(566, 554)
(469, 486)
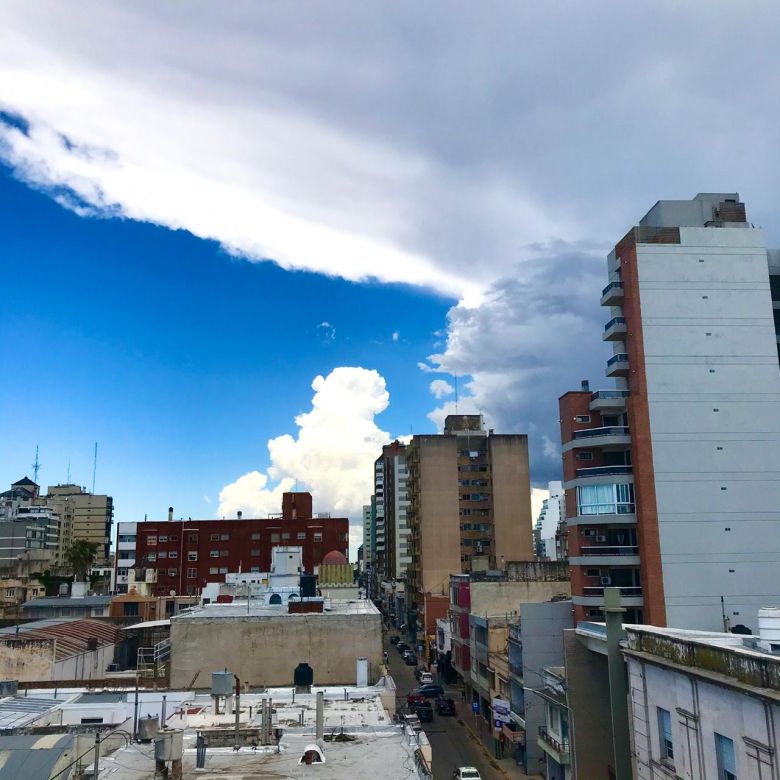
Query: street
(452, 745)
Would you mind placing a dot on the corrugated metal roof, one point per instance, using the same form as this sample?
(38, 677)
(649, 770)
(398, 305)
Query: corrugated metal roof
(71, 634)
(32, 757)
(148, 624)
(67, 601)
(16, 711)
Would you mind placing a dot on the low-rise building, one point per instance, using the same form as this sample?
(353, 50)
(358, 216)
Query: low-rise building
(67, 607)
(553, 732)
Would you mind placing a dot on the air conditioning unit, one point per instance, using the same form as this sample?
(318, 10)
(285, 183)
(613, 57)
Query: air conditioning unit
(589, 532)
(606, 580)
(601, 538)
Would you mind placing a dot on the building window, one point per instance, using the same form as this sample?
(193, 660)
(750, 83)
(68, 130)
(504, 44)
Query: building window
(255, 551)
(172, 572)
(275, 538)
(151, 557)
(605, 499)
(214, 554)
(592, 572)
(584, 456)
(582, 418)
(727, 762)
(285, 536)
(130, 609)
(192, 573)
(126, 538)
(665, 733)
(301, 535)
(213, 571)
(192, 556)
(214, 537)
(224, 537)
(223, 570)
(174, 537)
(255, 537)
(151, 541)
(163, 554)
(173, 554)
(163, 539)
(193, 538)
(223, 553)
(255, 569)
(318, 536)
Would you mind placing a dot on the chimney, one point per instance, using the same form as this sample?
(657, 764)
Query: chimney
(170, 514)
(239, 514)
(585, 386)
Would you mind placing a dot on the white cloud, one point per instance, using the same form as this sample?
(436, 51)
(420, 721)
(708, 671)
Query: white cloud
(331, 455)
(327, 331)
(396, 335)
(538, 495)
(207, 499)
(441, 388)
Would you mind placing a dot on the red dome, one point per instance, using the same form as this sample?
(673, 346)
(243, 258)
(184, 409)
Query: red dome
(334, 557)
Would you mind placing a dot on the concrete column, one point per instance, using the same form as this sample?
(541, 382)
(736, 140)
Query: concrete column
(618, 690)
(320, 716)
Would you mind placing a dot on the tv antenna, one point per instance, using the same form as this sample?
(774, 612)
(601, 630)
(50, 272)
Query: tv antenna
(36, 466)
(94, 468)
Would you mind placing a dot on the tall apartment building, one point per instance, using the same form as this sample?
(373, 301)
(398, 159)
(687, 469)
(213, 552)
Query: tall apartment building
(469, 509)
(87, 516)
(392, 502)
(672, 479)
(28, 529)
(367, 537)
(187, 554)
(553, 511)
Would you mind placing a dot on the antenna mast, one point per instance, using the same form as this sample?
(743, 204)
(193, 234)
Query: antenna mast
(67, 480)
(36, 466)
(94, 468)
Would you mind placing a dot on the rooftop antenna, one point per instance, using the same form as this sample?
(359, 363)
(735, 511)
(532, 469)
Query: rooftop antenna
(36, 466)
(94, 468)
(67, 480)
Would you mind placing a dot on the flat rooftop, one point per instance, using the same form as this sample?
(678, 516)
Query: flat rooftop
(238, 609)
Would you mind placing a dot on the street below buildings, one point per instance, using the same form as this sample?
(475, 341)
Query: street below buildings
(452, 745)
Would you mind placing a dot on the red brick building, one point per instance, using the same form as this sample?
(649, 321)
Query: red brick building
(189, 553)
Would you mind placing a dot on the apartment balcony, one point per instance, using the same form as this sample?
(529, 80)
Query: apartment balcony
(618, 470)
(607, 437)
(620, 518)
(606, 555)
(612, 294)
(558, 749)
(593, 596)
(615, 329)
(617, 365)
(609, 401)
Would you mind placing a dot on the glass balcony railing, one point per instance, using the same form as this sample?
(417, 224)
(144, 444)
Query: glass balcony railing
(605, 471)
(612, 286)
(600, 395)
(615, 321)
(621, 357)
(610, 549)
(609, 430)
(630, 591)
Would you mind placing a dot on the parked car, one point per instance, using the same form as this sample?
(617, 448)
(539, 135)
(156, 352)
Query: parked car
(402, 647)
(414, 698)
(410, 659)
(430, 691)
(418, 671)
(445, 706)
(425, 678)
(466, 773)
(424, 711)
(394, 639)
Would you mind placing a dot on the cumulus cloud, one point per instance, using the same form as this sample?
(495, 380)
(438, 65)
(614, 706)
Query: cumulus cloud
(441, 388)
(331, 455)
(338, 143)
(543, 326)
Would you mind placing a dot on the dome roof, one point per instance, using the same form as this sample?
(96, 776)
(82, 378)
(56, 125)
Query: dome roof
(334, 557)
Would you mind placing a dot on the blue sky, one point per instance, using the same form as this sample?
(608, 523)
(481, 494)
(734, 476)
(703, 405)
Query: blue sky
(178, 359)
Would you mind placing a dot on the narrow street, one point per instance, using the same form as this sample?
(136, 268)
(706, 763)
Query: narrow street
(452, 745)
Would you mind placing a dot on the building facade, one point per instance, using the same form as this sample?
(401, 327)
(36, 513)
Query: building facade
(672, 493)
(188, 554)
(551, 515)
(89, 516)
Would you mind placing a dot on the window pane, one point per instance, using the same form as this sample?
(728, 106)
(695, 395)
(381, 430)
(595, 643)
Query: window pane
(665, 733)
(727, 764)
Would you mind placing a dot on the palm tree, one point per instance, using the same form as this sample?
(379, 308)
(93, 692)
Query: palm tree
(79, 558)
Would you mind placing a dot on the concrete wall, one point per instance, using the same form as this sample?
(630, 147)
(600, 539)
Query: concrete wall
(541, 627)
(33, 660)
(698, 710)
(265, 650)
(590, 725)
(713, 389)
(504, 597)
(513, 526)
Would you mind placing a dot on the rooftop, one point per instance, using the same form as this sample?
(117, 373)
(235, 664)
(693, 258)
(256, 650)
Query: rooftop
(70, 635)
(67, 601)
(32, 756)
(238, 609)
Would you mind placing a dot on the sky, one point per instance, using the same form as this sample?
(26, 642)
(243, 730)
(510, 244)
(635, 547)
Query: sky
(246, 244)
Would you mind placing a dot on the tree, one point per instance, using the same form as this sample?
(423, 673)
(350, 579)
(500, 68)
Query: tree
(80, 557)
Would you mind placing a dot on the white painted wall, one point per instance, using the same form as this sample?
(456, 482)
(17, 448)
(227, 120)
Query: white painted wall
(402, 531)
(714, 470)
(727, 711)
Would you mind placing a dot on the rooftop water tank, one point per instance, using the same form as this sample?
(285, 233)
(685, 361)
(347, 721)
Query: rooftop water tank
(8, 688)
(222, 683)
(148, 726)
(169, 745)
(769, 624)
(303, 676)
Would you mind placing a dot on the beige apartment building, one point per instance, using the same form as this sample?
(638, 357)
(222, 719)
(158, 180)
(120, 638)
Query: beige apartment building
(83, 515)
(469, 509)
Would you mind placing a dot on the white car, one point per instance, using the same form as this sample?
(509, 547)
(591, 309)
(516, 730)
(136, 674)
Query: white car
(466, 773)
(425, 677)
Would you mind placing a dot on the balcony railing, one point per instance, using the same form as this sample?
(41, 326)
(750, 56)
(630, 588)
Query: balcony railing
(608, 549)
(629, 591)
(614, 321)
(605, 471)
(609, 430)
(604, 394)
(621, 357)
(612, 286)
(561, 746)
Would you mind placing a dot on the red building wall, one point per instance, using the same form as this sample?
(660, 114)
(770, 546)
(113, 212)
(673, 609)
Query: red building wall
(201, 546)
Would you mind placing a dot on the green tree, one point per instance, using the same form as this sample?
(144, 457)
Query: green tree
(80, 557)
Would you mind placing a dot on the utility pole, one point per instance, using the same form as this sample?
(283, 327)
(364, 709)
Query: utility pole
(97, 754)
